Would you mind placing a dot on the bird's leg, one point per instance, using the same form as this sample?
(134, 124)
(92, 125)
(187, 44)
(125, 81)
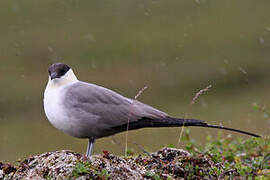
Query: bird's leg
(90, 146)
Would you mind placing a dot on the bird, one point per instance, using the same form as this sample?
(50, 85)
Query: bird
(86, 110)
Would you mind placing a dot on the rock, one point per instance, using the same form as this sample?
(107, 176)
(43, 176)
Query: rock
(167, 163)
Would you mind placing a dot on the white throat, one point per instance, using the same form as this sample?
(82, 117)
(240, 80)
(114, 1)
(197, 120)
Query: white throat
(68, 78)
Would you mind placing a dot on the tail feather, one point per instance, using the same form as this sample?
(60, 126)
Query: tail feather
(174, 122)
(195, 122)
(231, 129)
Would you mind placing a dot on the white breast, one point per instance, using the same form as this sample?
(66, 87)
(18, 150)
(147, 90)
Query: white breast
(54, 108)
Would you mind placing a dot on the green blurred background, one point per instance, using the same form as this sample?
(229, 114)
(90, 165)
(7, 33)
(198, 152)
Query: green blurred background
(174, 47)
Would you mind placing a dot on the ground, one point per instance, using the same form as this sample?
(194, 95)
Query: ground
(220, 159)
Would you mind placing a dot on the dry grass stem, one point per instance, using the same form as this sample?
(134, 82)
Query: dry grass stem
(140, 92)
(137, 95)
(242, 70)
(200, 92)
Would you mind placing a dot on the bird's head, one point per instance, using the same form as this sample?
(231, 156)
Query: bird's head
(60, 74)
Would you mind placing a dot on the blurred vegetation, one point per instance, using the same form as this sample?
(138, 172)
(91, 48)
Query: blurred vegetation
(174, 47)
(234, 157)
(220, 158)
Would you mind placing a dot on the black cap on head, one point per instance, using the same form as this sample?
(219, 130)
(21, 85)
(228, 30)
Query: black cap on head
(57, 70)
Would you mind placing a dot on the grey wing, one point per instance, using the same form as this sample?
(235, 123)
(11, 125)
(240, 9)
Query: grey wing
(102, 109)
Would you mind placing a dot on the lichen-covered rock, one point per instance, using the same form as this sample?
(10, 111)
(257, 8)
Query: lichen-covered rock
(69, 165)
(6, 171)
(48, 165)
(167, 163)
